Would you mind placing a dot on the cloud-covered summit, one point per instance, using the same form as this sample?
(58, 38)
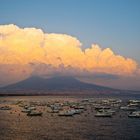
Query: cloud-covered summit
(30, 51)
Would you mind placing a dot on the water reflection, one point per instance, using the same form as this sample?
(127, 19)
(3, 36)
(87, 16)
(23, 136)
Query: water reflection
(15, 125)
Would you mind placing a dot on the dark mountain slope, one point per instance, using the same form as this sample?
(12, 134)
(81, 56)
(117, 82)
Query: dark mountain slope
(55, 83)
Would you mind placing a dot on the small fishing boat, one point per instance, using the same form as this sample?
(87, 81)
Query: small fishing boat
(127, 108)
(107, 111)
(5, 108)
(66, 113)
(103, 114)
(135, 114)
(134, 101)
(26, 110)
(101, 107)
(34, 113)
(32, 108)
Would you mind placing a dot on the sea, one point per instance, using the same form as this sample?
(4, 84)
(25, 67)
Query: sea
(15, 125)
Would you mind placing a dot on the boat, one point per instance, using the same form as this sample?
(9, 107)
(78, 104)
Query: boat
(26, 110)
(103, 114)
(79, 107)
(115, 100)
(34, 113)
(78, 111)
(66, 113)
(133, 104)
(135, 114)
(32, 108)
(107, 111)
(134, 101)
(101, 107)
(5, 108)
(127, 108)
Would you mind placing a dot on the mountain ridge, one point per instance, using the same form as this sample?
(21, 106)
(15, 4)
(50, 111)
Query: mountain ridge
(54, 83)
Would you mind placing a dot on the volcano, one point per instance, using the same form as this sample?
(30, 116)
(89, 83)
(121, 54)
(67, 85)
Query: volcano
(54, 83)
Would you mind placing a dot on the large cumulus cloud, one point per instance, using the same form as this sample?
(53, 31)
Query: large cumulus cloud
(30, 51)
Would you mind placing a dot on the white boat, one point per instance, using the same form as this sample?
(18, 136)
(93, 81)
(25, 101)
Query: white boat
(79, 107)
(127, 108)
(34, 113)
(133, 104)
(66, 113)
(26, 110)
(107, 111)
(76, 111)
(32, 108)
(135, 114)
(134, 101)
(103, 114)
(101, 107)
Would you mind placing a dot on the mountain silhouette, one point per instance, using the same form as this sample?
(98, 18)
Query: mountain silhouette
(54, 83)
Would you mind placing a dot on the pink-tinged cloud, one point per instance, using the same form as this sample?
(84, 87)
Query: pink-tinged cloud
(28, 51)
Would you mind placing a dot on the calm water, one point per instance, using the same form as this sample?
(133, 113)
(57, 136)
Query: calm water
(15, 125)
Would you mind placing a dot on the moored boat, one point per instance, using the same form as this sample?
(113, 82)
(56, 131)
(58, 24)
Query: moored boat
(135, 114)
(103, 114)
(26, 110)
(66, 113)
(5, 108)
(34, 113)
(127, 108)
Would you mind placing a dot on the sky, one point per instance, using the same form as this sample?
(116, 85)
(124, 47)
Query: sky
(109, 28)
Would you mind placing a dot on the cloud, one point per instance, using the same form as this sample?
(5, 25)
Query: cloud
(10, 73)
(30, 51)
